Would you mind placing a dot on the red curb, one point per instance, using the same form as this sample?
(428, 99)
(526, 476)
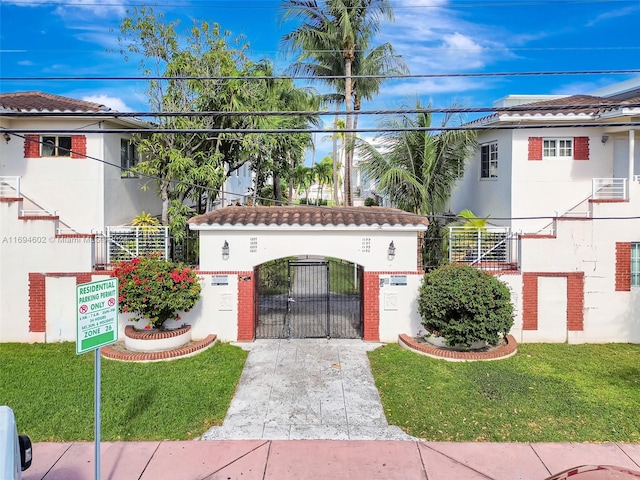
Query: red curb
(184, 351)
(509, 349)
(131, 332)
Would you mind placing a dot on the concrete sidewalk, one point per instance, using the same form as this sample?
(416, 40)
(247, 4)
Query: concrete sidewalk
(316, 459)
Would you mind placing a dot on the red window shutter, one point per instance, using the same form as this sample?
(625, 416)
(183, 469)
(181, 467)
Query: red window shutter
(78, 146)
(581, 148)
(31, 146)
(535, 148)
(623, 266)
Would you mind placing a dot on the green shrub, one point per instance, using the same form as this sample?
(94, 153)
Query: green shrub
(465, 305)
(371, 202)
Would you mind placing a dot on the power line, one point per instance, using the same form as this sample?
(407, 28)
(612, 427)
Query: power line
(327, 77)
(520, 126)
(523, 108)
(442, 216)
(264, 4)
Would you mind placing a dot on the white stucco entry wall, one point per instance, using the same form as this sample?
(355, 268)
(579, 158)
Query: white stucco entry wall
(361, 235)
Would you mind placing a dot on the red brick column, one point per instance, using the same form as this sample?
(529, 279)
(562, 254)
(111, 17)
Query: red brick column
(78, 146)
(581, 148)
(246, 308)
(529, 301)
(623, 266)
(37, 303)
(83, 278)
(535, 148)
(31, 146)
(575, 301)
(371, 306)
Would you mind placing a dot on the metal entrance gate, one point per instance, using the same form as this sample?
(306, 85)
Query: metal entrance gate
(309, 299)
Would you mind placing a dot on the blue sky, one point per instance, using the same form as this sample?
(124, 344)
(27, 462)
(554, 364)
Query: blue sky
(45, 38)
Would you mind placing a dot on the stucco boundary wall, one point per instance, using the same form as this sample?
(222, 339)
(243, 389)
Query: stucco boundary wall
(549, 306)
(52, 299)
(226, 307)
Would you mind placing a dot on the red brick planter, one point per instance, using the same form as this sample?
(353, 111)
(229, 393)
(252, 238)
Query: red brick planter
(119, 351)
(156, 340)
(507, 350)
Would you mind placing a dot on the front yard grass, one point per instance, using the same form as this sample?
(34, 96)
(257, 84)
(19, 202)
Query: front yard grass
(546, 393)
(50, 389)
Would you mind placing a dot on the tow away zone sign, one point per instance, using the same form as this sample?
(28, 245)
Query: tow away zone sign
(97, 314)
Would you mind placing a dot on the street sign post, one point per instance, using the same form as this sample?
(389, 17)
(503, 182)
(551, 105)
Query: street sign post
(97, 314)
(96, 326)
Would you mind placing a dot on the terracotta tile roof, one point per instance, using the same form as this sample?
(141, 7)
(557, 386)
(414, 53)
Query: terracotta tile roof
(46, 102)
(592, 106)
(310, 216)
(566, 108)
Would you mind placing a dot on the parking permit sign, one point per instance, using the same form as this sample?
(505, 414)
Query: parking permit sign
(97, 314)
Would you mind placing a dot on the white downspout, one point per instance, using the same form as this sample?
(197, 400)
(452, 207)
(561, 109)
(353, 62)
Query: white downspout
(631, 157)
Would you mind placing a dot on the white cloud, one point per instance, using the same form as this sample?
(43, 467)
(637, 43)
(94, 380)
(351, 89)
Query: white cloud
(113, 103)
(76, 7)
(433, 38)
(620, 12)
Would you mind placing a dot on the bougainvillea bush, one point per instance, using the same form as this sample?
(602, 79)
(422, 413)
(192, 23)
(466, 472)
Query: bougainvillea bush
(155, 289)
(465, 305)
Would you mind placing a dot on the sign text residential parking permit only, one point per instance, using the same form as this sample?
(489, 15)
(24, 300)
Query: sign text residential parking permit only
(97, 326)
(97, 314)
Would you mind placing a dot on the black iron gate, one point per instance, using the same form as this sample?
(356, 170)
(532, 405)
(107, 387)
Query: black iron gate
(309, 298)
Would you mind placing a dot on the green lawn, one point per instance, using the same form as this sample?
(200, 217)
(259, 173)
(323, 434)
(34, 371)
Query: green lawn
(50, 389)
(546, 393)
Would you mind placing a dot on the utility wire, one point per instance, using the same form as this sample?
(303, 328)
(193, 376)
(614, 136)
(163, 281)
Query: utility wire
(518, 126)
(328, 77)
(524, 108)
(263, 4)
(442, 216)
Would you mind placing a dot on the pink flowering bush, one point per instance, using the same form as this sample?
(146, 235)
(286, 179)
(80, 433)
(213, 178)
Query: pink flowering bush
(155, 289)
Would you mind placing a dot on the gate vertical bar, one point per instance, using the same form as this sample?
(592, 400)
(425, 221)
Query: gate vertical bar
(327, 298)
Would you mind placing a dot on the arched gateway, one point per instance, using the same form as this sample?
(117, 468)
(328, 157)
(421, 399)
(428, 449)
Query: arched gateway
(303, 271)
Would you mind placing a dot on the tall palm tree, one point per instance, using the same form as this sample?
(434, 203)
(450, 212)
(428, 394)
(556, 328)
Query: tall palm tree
(332, 35)
(415, 168)
(324, 174)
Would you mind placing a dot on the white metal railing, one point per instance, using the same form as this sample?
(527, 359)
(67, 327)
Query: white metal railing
(38, 212)
(127, 242)
(636, 178)
(490, 247)
(609, 188)
(10, 187)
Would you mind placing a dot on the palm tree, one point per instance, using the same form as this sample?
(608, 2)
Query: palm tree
(331, 37)
(416, 168)
(324, 174)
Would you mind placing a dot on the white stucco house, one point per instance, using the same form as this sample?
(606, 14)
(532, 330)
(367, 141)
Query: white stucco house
(561, 174)
(56, 191)
(546, 156)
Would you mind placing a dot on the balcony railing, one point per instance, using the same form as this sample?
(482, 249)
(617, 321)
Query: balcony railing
(609, 189)
(10, 187)
(126, 242)
(486, 248)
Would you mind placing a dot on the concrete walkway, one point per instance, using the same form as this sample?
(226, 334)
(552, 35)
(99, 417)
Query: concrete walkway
(306, 389)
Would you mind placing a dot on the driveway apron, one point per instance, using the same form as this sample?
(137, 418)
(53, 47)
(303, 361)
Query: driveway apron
(306, 389)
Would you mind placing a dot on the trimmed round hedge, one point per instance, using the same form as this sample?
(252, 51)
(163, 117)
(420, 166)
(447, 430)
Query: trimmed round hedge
(465, 305)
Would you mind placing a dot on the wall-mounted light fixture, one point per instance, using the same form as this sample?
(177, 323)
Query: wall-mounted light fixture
(604, 138)
(391, 252)
(225, 250)
(6, 137)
